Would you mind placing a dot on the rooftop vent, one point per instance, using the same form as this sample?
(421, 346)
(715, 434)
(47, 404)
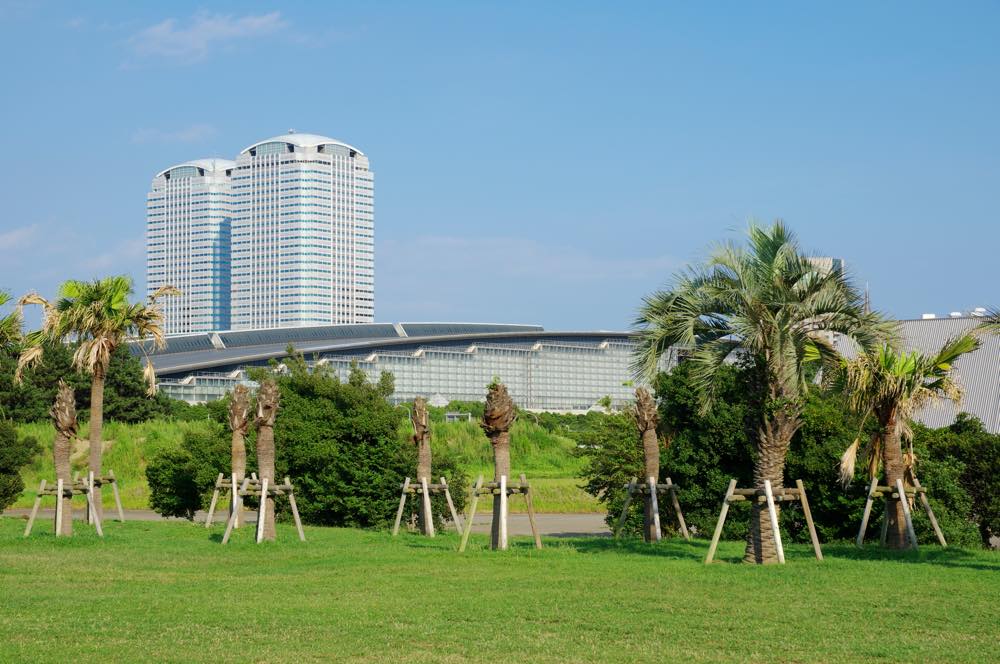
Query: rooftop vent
(928, 316)
(956, 314)
(979, 312)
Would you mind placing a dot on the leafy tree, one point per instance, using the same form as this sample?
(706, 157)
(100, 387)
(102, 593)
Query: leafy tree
(967, 446)
(768, 303)
(181, 479)
(890, 386)
(100, 317)
(15, 453)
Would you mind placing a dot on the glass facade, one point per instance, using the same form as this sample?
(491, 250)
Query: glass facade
(552, 374)
(188, 213)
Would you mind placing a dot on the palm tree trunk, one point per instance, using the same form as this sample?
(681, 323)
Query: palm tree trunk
(774, 438)
(63, 414)
(96, 432)
(267, 410)
(422, 439)
(501, 466)
(651, 454)
(498, 416)
(265, 467)
(892, 462)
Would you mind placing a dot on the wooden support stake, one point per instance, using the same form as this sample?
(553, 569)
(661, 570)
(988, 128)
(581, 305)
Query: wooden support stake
(93, 508)
(930, 513)
(628, 501)
(774, 521)
(295, 510)
(236, 503)
(229, 528)
(722, 520)
(215, 499)
(472, 514)
(428, 515)
(34, 509)
(118, 497)
(59, 507)
(677, 510)
(90, 490)
(809, 519)
(906, 514)
(868, 512)
(503, 512)
(531, 511)
(262, 511)
(402, 504)
(654, 505)
(451, 507)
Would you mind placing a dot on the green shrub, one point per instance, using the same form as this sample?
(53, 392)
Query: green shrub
(181, 480)
(15, 453)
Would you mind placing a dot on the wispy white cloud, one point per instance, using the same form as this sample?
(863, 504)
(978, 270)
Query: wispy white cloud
(194, 40)
(18, 238)
(192, 134)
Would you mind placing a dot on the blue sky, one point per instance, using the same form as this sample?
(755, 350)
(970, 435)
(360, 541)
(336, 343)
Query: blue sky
(534, 162)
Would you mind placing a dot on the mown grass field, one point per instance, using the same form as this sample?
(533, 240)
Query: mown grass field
(170, 592)
(546, 458)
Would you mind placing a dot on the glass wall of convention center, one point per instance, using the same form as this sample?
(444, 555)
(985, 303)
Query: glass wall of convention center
(555, 375)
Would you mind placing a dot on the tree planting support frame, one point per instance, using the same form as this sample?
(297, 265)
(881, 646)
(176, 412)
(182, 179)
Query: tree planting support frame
(252, 486)
(77, 487)
(504, 490)
(425, 490)
(886, 492)
(649, 490)
(766, 495)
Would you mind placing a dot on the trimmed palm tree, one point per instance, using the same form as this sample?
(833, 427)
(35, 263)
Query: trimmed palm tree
(498, 417)
(239, 422)
(890, 386)
(99, 317)
(770, 305)
(267, 410)
(422, 441)
(63, 413)
(646, 418)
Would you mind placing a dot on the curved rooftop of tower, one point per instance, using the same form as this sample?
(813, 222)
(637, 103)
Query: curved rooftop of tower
(210, 165)
(302, 141)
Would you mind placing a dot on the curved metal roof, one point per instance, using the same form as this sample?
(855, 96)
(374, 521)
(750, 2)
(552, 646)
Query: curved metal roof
(303, 141)
(213, 164)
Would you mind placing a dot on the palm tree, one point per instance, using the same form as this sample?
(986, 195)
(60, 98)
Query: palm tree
(239, 422)
(772, 306)
(98, 315)
(890, 385)
(990, 322)
(422, 441)
(498, 417)
(63, 415)
(267, 410)
(646, 417)
(10, 326)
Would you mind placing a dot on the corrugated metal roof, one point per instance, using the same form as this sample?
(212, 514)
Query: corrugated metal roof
(978, 372)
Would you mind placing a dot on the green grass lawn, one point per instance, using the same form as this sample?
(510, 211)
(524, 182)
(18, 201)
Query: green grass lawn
(171, 592)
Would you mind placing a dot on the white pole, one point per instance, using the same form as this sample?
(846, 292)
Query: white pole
(774, 521)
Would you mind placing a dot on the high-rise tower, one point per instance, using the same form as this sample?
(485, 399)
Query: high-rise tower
(302, 234)
(187, 243)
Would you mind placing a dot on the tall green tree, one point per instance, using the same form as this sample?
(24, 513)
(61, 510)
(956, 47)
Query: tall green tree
(890, 386)
(767, 302)
(100, 317)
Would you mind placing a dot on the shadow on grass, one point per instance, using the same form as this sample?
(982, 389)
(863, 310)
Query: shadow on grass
(933, 555)
(674, 548)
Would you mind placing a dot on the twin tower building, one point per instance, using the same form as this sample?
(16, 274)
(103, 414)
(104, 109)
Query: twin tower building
(282, 237)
